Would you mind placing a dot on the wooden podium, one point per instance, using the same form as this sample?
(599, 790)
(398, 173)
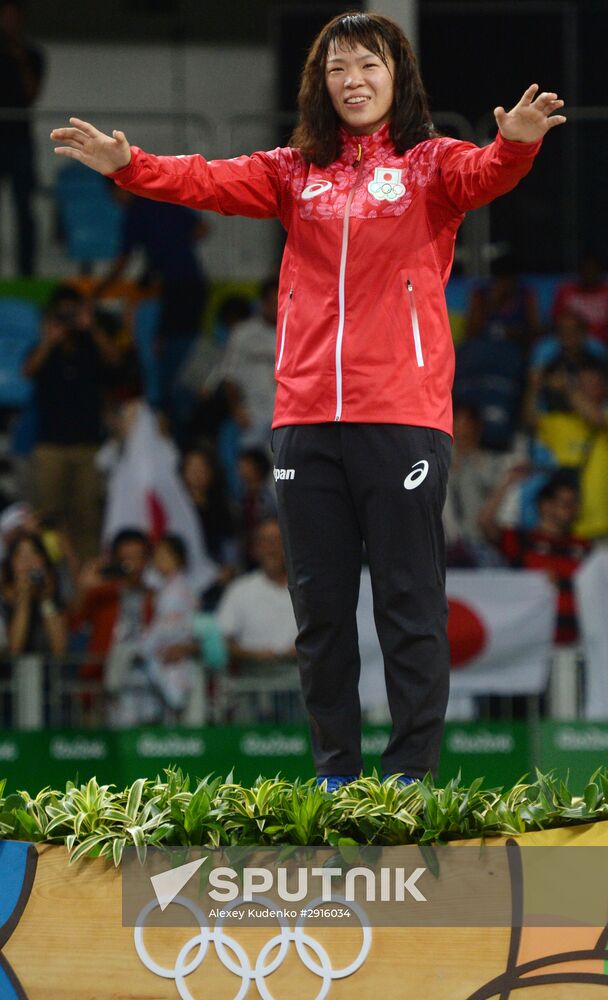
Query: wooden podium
(61, 938)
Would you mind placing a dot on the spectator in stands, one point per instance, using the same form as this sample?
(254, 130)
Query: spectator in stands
(248, 370)
(255, 613)
(115, 605)
(552, 546)
(119, 424)
(124, 378)
(200, 387)
(167, 645)
(168, 235)
(257, 501)
(587, 295)
(589, 399)
(474, 472)
(16, 519)
(549, 410)
(491, 360)
(30, 606)
(490, 376)
(203, 480)
(233, 309)
(21, 73)
(568, 346)
(568, 415)
(555, 410)
(20, 518)
(504, 306)
(68, 368)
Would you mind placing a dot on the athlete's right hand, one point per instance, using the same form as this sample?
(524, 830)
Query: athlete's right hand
(95, 149)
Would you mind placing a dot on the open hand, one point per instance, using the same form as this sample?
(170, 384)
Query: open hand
(531, 118)
(95, 149)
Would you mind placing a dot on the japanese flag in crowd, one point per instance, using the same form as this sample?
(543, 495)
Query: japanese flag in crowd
(500, 626)
(591, 586)
(146, 492)
(500, 629)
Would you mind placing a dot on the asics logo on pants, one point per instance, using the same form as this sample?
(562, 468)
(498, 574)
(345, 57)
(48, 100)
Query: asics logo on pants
(417, 475)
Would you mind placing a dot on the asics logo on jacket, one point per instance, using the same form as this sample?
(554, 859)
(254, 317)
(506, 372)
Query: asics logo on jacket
(315, 189)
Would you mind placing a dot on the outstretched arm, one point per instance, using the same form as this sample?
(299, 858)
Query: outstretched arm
(473, 176)
(246, 185)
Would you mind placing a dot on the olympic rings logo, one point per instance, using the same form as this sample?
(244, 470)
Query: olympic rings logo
(238, 962)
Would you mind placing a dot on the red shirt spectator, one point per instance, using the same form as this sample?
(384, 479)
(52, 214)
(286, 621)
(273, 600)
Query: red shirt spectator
(559, 557)
(101, 612)
(113, 601)
(588, 297)
(551, 546)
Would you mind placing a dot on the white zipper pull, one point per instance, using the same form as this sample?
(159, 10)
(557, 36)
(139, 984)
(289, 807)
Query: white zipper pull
(284, 328)
(415, 324)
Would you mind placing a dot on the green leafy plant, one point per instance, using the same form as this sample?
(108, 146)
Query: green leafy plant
(94, 820)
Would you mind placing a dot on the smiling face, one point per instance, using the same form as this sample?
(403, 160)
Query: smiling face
(360, 87)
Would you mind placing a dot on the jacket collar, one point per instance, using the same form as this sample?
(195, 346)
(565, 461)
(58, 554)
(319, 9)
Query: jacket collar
(378, 140)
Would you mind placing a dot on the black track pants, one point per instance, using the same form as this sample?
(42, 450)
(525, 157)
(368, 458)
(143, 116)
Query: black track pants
(339, 485)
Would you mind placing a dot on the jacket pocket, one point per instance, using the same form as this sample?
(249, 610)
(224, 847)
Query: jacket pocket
(284, 330)
(415, 324)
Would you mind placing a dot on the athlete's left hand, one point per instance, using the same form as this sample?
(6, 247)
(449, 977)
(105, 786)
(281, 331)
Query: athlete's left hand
(531, 118)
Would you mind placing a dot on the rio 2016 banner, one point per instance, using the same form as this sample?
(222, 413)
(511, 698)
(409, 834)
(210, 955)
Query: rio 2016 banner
(500, 752)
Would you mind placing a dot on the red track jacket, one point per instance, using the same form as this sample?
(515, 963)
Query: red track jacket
(362, 332)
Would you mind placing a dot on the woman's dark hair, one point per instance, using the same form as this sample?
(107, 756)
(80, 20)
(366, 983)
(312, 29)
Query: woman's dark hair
(217, 486)
(562, 479)
(128, 536)
(317, 135)
(62, 294)
(258, 458)
(7, 573)
(233, 308)
(177, 548)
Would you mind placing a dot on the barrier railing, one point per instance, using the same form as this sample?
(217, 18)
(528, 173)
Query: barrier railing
(38, 692)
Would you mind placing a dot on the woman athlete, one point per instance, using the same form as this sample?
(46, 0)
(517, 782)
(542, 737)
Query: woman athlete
(371, 199)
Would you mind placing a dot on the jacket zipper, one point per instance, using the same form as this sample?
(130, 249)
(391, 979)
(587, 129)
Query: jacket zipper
(415, 324)
(284, 328)
(341, 303)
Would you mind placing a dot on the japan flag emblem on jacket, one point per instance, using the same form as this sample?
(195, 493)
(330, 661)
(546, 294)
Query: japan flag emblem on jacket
(386, 185)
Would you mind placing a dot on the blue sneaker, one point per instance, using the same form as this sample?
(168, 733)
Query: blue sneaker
(403, 779)
(336, 781)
